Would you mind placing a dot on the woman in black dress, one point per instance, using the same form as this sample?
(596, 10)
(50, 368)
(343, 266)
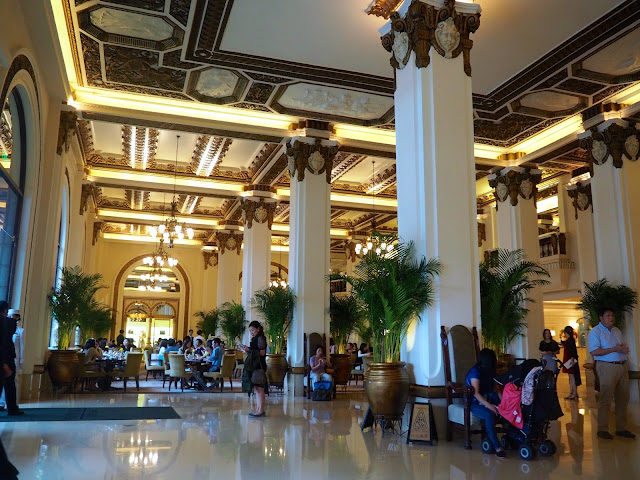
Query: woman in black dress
(549, 348)
(258, 346)
(571, 351)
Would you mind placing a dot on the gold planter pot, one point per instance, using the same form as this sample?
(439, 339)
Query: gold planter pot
(387, 388)
(63, 367)
(342, 365)
(276, 369)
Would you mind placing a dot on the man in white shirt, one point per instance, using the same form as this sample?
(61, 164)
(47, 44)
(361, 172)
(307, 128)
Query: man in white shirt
(199, 336)
(610, 353)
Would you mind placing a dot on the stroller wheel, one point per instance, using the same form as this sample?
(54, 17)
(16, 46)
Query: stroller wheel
(486, 446)
(527, 452)
(506, 442)
(547, 448)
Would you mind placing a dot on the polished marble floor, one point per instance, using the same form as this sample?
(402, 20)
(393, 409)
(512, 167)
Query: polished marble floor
(298, 439)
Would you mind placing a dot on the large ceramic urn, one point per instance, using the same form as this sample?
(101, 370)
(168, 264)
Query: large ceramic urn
(62, 366)
(387, 388)
(342, 366)
(276, 369)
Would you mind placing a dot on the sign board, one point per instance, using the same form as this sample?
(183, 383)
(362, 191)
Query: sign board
(422, 426)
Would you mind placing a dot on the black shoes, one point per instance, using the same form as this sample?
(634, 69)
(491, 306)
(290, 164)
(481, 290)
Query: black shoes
(605, 435)
(501, 454)
(625, 434)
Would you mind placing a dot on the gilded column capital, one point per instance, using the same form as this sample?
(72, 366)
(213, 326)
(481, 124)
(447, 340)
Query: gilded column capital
(580, 195)
(350, 251)
(259, 210)
(89, 190)
(66, 130)
(615, 139)
(210, 258)
(313, 155)
(98, 227)
(229, 241)
(446, 28)
(482, 233)
(514, 183)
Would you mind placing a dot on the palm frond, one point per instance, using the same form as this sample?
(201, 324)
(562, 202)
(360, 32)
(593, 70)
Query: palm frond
(603, 294)
(346, 314)
(232, 321)
(275, 305)
(208, 321)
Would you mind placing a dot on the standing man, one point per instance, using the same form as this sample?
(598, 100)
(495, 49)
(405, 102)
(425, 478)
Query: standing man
(199, 336)
(120, 338)
(8, 360)
(610, 353)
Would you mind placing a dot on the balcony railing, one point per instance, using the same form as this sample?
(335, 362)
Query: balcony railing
(553, 244)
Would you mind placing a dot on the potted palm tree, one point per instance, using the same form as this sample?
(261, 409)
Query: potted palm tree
(72, 304)
(394, 288)
(345, 313)
(233, 317)
(208, 321)
(602, 293)
(275, 305)
(506, 278)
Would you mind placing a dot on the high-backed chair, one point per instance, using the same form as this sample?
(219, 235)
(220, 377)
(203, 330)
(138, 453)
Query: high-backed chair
(178, 370)
(131, 370)
(311, 342)
(151, 368)
(83, 374)
(226, 371)
(460, 349)
(239, 364)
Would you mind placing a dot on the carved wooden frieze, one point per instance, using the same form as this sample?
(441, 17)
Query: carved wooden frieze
(616, 140)
(210, 258)
(89, 190)
(259, 211)
(581, 198)
(426, 26)
(314, 157)
(229, 241)
(482, 233)
(350, 251)
(66, 130)
(97, 229)
(514, 184)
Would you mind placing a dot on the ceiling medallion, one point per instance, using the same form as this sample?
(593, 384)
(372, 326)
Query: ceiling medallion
(401, 50)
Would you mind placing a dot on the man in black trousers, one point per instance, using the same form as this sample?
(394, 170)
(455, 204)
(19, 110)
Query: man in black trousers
(7, 374)
(8, 360)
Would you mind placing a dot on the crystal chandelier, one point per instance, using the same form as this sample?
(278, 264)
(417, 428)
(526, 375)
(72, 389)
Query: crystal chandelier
(157, 260)
(279, 281)
(171, 229)
(375, 242)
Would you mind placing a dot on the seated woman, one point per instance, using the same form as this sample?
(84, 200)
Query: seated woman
(486, 396)
(163, 348)
(91, 354)
(549, 348)
(186, 346)
(319, 364)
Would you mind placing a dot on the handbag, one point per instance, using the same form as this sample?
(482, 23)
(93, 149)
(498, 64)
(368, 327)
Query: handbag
(259, 377)
(569, 364)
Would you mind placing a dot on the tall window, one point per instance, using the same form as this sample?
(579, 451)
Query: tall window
(62, 242)
(12, 180)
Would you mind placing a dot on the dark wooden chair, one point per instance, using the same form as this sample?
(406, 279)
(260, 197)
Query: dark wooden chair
(460, 349)
(311, 342)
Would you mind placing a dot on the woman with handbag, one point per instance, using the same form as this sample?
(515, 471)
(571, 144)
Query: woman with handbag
(570, 363)
(254, 374)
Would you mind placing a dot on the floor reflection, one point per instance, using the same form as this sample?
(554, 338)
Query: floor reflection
(298, 439)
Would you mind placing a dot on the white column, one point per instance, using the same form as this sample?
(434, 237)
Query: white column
(517, 228)
(310, 163)
(435, 169)
(257, 213)
(616, 209)
(229, 247)
(580, 194)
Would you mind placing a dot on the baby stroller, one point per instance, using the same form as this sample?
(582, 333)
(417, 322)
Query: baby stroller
(531, 438)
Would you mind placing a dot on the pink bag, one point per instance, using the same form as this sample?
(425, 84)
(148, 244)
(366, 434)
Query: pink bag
(509, 407)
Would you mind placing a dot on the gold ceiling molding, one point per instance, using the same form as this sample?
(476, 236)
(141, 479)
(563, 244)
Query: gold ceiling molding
(66, 130)
(383, 8)
(98, 227)
(137, 199)
(139, 146)
(229, 242)
(515, 183)
(511, 156)
(89, 190)
(581, 197)
(426, 26)
(260, 211)
(383, 180)
(210, 258)
(316, 157)
(343, 163)
(262, 158)
(208, 154)
(617, 140)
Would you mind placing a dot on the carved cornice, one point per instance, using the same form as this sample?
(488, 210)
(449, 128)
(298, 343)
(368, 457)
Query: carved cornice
(616, 140)
(314, 157)
(426, 26)
(97, 229)
(482, 233)
(89, 190)
(229, 242)
(514, 184)
(66, 130)
(580, 195)
(145, 143)
(210, 258)
(258, 211)
(343, 163)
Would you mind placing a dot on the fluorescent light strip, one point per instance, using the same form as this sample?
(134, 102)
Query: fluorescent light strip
(147, 239)
(205, 154)
(152, 217)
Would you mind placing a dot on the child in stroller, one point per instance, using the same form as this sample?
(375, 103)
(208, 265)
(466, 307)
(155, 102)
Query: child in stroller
(527, 430)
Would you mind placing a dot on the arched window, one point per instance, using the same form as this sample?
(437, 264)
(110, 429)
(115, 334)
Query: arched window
(13, 150)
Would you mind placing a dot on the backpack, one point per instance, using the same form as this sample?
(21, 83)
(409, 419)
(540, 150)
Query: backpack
(321, 392)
